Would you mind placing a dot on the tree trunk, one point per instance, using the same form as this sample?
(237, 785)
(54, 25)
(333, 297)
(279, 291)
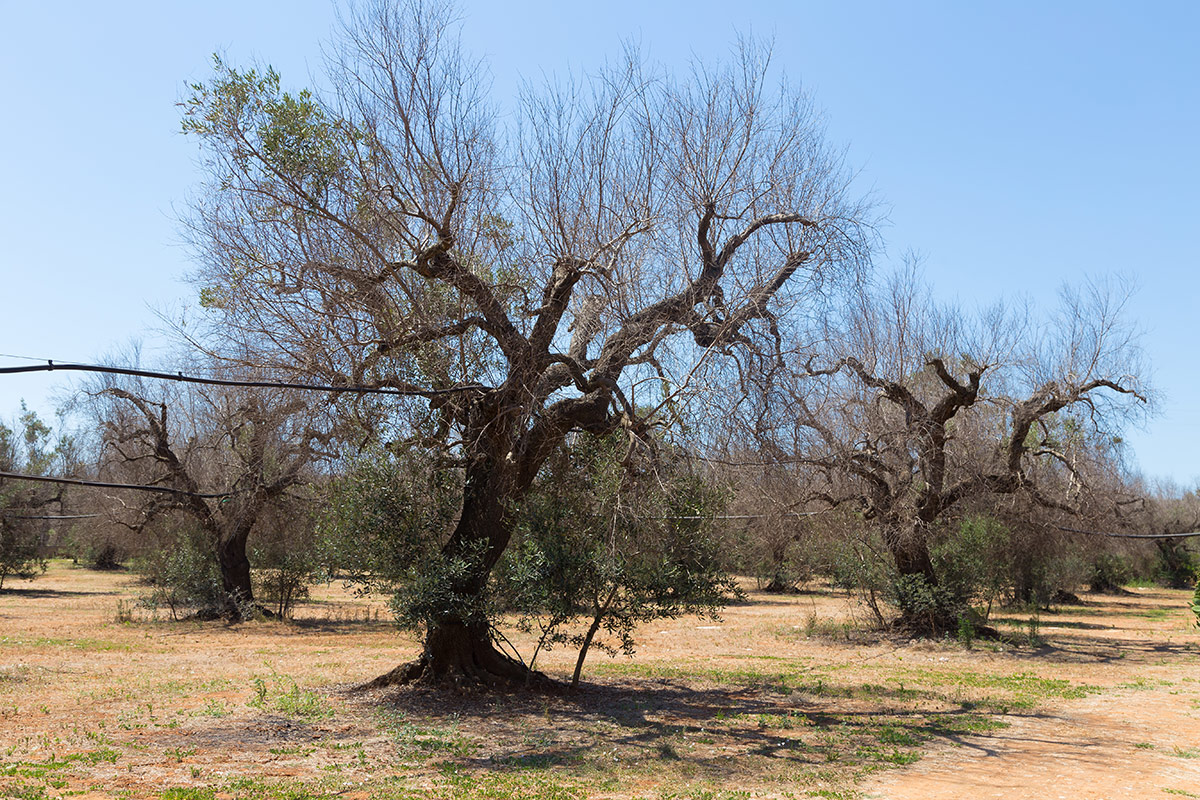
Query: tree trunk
(459, 650)
(235, 575)
(458, 655)
(910, 549)
(923, 609)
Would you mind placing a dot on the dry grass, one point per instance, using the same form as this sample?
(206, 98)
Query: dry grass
(786, 697)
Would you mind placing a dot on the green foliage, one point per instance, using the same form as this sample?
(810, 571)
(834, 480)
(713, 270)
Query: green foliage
(182, 572)
(384, 526)
(31, 449)
(288, 135)
(781, 555)
(430, 595)
(604, 544)
(20, 552)
(288, 555)
(1195, 606)
(1110, 572)
(973, 564)
(282, 694)
(934, 606)
(1177, 565)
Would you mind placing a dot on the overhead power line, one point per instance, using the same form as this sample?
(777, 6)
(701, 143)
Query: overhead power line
(179, 377)
(105, 485)
(51, 516)
(1130, 535)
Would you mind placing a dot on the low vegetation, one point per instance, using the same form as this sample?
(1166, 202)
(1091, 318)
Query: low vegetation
(771, 701)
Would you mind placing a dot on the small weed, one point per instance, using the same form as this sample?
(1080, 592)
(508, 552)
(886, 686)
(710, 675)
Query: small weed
(214, 708)
(179, 753)
(282, 694)
(418, 740)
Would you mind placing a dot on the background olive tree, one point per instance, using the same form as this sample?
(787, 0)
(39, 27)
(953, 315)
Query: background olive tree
(911, 410)
(227, 460)
(29, 448)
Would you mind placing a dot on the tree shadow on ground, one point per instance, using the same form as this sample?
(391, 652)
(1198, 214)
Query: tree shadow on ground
(48, 594)
(723, 733)
(1067, 650)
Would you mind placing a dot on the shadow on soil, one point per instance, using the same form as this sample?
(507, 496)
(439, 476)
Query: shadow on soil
(48, 594)
(725, 732)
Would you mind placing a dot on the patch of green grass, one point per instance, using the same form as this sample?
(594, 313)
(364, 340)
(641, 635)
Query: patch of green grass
(282, 694)
(422, 740)
(1154, 613)
(86, 644)
(213, 708)
(25, 791)
(178, 793)
(831, 794)
(702, 793)
(40, 770)
(890, 734)
(500, 786)
(291, 750)
(180, 753)
(1022, 690)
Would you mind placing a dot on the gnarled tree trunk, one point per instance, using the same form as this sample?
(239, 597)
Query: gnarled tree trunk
(923, 608)
(235, 574)
(460, 651)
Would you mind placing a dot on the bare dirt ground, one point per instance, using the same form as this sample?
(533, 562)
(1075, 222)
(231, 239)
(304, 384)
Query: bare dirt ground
(784, 697)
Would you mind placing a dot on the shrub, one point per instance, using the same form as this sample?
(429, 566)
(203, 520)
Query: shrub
(782, 555)
(288, 555)
(1110, 572)
(607, 541)
(1177, 565)
(181, 572)
(20, 550)
(383, 526)
(1196, 603)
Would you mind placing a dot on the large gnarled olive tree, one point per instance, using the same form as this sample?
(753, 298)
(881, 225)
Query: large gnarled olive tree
(523, 275)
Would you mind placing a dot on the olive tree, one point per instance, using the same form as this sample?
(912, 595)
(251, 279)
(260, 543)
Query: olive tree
(520, 275)
(225, 461)
(29, 449)
(915, 410)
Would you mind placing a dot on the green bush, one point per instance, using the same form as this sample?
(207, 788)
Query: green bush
(20, 550)
(1177, 565)
(383, 528)
(607, 541)
(1196, 603)
(289, 555)
(181, 572)
(1110, 572)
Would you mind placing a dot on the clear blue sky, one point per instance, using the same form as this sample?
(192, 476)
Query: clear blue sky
(1017, 146)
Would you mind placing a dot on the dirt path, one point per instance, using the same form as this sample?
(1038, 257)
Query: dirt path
(1138, 738)
(1087, 750)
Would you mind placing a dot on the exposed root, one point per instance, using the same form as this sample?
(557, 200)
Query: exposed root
(464, 659)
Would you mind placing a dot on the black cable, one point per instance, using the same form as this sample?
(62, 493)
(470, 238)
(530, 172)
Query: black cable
(1130, 535)
(50, 516)
(105, 485)
(179, 377)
